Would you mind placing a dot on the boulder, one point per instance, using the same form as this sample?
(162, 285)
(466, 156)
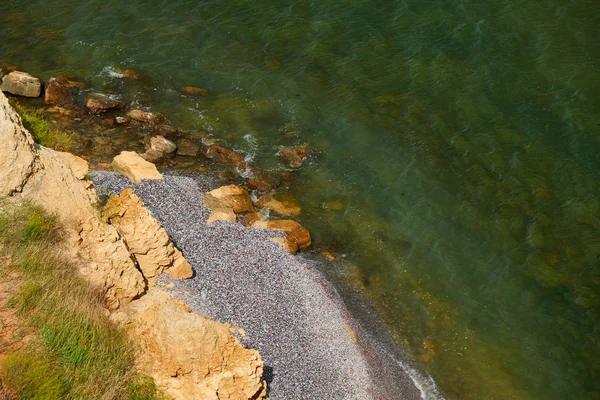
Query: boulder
(146, 239)
(160, 144)
(231, 197)
(295, 156)
(194, 91)
(147, 117)
(288, 208)
(79, 167)
(187, 148)
(193, 357)
(222, 155)
(165, 130)
(21, 84)
(59, 92)
(130, 164)
(97, 103)
(152, 156)
(295, 233)
(261, 181)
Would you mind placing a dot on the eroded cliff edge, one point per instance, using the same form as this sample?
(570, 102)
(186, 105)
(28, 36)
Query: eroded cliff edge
(121, 250)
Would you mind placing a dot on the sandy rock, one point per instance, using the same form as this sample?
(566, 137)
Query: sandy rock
(134, 167)
(52, 180)
(225, 156)
(284, 243)
(194, 91)
(232, 197)
(78, 165)
(295, 156)
(187, 148)
(147, 117)
(194, 357)
(294, 232)
(146, 239)
(329, 255)
(59, 92)
(288, 208)
(97, 103)
(181, 268)
(21, 84)
(221, 214)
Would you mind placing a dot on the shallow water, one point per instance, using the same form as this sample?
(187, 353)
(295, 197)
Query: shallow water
(462, 138)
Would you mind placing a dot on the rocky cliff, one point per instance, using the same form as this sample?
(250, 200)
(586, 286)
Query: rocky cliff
(122, 249)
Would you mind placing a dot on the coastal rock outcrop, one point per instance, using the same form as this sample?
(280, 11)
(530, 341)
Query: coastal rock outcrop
(147, 240)
(21, 84)
(228, 200)
(194, 357)
(133, 166)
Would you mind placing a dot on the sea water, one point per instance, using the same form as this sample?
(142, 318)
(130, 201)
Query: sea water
(455, 164)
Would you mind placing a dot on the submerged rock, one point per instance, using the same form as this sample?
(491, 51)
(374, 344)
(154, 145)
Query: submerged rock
(288, 208)
(187, 148)
(59, 92)
(147, 117)
(130, 73)
(21, 84)
(295, 156)
(225, 156)
(98, 103)
(133, 166)
(194, 91)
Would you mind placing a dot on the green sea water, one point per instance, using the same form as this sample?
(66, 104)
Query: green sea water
(456, 169)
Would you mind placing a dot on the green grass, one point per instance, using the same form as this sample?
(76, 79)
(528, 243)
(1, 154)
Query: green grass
(39, 127)
(76, 353)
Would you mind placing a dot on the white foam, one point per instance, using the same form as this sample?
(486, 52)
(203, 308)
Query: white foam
(424, 383)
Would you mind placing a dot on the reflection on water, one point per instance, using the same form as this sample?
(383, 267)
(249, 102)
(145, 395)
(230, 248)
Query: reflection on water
(462, 138)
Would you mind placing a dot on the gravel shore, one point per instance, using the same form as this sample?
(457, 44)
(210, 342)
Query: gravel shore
(288, 311)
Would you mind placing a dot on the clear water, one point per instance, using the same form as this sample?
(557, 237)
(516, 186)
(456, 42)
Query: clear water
(463, 138)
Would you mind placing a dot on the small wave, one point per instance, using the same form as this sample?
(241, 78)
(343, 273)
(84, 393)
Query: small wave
(423, 382)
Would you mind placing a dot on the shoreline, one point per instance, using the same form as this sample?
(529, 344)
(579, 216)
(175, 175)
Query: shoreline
(312, 344)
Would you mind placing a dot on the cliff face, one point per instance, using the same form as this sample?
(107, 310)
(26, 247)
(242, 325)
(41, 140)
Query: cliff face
(123, 257)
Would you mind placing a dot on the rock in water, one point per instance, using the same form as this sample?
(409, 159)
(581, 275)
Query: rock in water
(59, 92)
(187, 148)
(288, 208)
(148, 117)
(225, 156)
(161, 144)
(98, 103)
(194, 91)
(21, 84)
(295, 233)
(295, 156)
(130, 164)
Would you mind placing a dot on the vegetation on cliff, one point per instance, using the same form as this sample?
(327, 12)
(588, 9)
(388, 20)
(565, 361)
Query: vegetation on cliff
(40, 128)
(65, 347)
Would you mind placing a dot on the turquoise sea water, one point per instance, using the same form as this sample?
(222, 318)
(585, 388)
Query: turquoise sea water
(462, 137)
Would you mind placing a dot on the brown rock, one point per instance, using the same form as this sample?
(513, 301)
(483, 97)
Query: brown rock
(232, 197)
(288, 245)
(295, 232)
(98, 103)
(288, 208)
(295, 156)
(147, 117)
(146, 239)
(122, 120)
(21, 84)
(225, 156)
(59, 92)
(194, 91)
(328, 255)
(187, 148)
(261, 181)
(222, 214)
(135, 167)
(165, 130)
(193, 357)
(152, 156)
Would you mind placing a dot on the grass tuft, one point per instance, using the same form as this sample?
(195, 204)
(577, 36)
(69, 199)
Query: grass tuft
(76, 353)
(39, 127)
